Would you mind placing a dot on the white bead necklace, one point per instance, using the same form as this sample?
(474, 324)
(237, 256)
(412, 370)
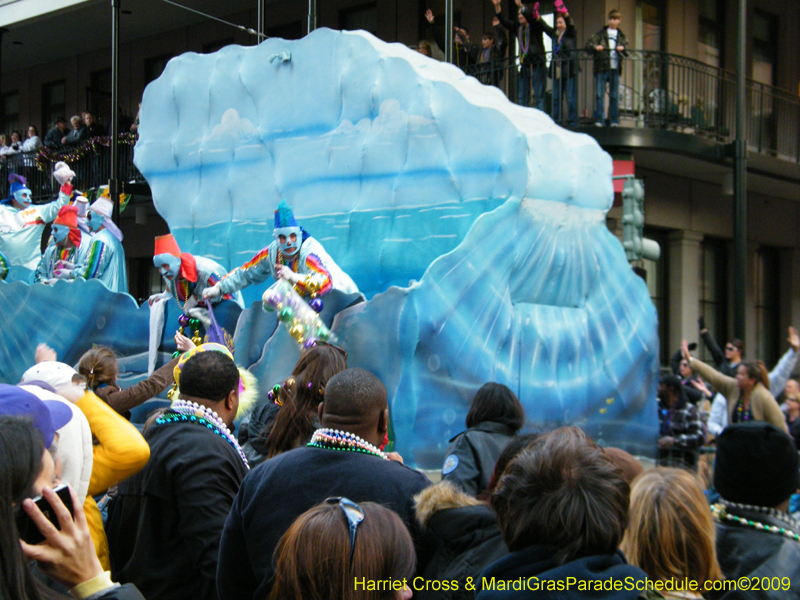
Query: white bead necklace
(333, 439)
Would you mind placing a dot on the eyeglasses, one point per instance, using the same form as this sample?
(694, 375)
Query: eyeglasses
(730, 347)
(354, 514)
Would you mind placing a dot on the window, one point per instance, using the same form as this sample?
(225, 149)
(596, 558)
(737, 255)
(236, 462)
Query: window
(765, 47)
(98, 96)
(361, 17)
(709, 39)
(714, 292)
(153, 67)
(9, 117)
(54, 104)
(767, 283)
(653, 37)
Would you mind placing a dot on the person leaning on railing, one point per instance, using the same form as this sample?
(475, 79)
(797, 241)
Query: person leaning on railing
(564, 67)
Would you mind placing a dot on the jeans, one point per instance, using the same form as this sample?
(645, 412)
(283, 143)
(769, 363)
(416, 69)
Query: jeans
(565, 86)
(611, 80)
(537, 73)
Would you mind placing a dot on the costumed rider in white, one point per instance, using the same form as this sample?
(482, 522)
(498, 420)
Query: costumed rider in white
(293, 255)
(68, 246)
(22, 224)
(105, 258)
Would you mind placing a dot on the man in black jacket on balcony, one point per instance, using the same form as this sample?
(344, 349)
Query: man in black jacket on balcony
(53, 137)
(609, 46)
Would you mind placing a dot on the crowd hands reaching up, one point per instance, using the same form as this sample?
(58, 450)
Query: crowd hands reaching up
(306, 502)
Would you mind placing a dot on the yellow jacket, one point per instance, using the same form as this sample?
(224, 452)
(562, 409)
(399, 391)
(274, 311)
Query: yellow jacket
(119, 452)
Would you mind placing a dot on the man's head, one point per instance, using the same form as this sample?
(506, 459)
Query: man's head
(167, 257)
(21, 195)
(88, 118)
(62, 124)
(734, 351)
(487, 41)
(684, 369)
(65, 227)
(356, 401)
(424, 47)
(670, 390)
(47, 417)
(207, 375)
(76, 122)
(614, 18)
(563, 473)
(98, 212)
(287, 232)
(521, 17)
(756, 463)
(792, 388)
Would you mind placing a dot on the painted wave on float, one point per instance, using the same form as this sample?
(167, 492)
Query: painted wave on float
(476, 228)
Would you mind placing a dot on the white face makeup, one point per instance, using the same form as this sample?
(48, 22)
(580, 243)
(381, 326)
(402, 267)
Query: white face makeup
(289, 239)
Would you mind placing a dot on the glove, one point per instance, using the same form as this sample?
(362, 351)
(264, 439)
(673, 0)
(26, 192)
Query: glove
(560, 8)
(63, 173)
(289, 275)
(212, 292)
(63, 270)
(191, 302)
(66, 189)
(536, 11)
(158, 297)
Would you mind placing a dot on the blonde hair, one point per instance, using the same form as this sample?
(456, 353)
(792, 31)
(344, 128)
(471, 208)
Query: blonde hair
(671, 533)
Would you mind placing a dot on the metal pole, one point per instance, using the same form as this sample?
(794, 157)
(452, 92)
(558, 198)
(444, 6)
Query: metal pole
(740, 184)
(259, 20)
(312, 15)
(448, 31)
(113, 184)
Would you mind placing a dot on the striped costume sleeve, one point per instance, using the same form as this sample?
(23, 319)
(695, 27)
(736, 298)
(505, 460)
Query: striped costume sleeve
(96, 263)
(213, 279)
(315, 268)
(255, 270)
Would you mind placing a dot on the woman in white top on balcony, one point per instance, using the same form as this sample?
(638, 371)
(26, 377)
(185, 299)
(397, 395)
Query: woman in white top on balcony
(33, 142)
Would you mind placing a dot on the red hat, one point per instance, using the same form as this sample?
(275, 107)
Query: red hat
(166, 244)
(67, 215)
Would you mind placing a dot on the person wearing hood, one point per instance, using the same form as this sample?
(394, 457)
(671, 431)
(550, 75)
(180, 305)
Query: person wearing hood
(105, 258)
(22, 223)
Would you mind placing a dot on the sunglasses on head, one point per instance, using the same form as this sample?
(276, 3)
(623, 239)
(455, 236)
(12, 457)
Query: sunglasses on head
(354, 514)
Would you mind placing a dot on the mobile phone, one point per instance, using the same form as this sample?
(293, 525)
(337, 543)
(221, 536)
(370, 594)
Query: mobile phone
(28, 531)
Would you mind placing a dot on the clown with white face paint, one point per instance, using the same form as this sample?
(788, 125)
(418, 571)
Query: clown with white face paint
(293, 255)
(22, 223)
(186, 275)
(68, 247)
(105, 257)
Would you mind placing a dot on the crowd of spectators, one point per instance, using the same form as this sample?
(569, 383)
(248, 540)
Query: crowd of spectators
(533, 65)
(305, 503)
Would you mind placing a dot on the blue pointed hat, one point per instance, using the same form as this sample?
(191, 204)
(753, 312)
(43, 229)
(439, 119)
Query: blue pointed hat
(18, 182)
(284, 217)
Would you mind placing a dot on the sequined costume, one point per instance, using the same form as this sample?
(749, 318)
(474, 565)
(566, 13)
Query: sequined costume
(45, 271)
(197, 274)
(21, 231)
(105, 260)
(310, 259)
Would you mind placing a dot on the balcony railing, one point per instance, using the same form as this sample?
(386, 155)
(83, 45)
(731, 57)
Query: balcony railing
(666, 91)
(90, 160)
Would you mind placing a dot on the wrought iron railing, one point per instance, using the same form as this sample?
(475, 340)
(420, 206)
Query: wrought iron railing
(667, 91)
(90, 160)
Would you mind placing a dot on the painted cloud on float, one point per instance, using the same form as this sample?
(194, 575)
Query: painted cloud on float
(475, 228)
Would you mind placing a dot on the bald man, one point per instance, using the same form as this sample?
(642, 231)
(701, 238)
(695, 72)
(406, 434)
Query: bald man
(342, 459)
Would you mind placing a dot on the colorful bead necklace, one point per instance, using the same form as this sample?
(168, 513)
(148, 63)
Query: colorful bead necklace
(743, 415)
(185, 288)
(721, 513)
(333, 439)
(192, 412)
(525, 38)
(294, 264)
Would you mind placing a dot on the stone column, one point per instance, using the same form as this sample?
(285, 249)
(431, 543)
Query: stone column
(683, 286)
